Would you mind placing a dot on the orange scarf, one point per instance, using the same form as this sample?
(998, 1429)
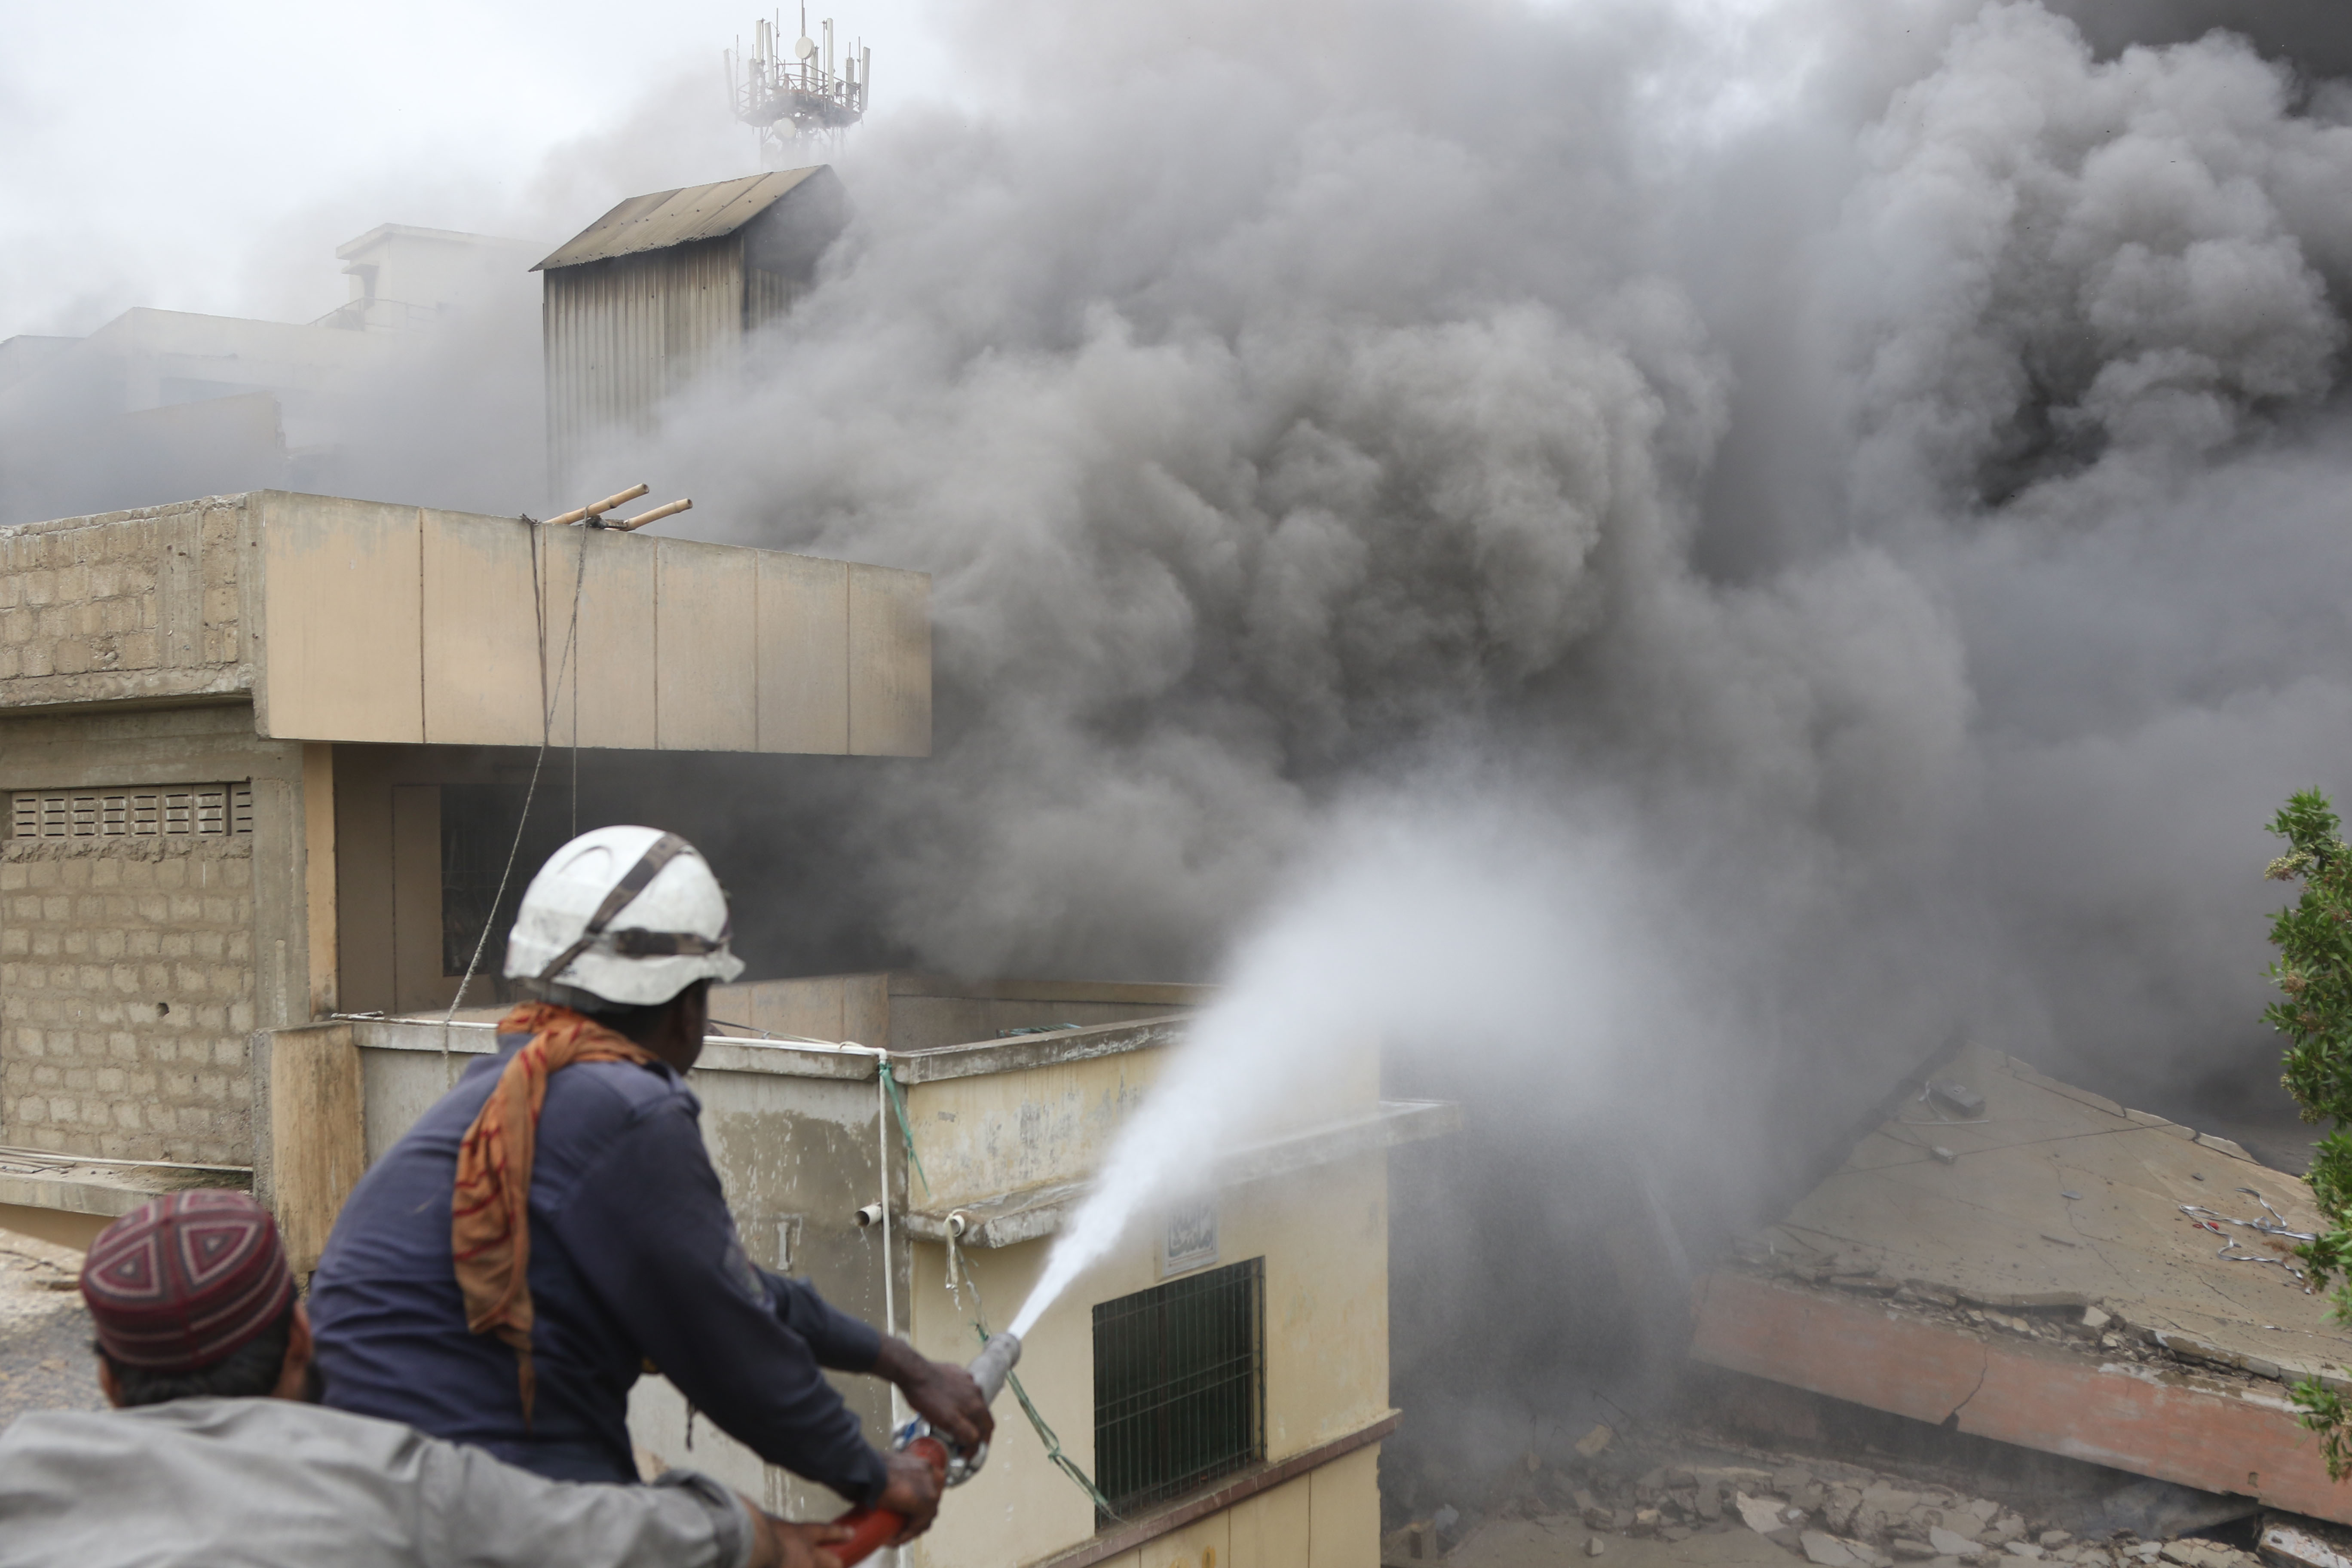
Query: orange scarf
(489, 1217)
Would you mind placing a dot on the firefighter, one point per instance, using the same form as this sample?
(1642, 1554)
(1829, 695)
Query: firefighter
(502, 1280)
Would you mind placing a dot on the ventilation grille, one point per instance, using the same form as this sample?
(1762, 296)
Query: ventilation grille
(175, 811)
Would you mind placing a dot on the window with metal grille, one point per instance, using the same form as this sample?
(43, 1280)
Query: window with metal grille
(478, 834)
(164, 811)
(1180, 1385)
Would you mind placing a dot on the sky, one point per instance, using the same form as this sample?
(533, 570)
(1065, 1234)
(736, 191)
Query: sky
(247, 140)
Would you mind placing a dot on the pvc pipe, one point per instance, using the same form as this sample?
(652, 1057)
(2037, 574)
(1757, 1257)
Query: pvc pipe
(599, 509)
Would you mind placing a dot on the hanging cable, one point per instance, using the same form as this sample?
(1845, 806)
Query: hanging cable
(546, 730)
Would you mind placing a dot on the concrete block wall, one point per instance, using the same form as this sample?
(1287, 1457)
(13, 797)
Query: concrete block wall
(140, 950)
(137, 604)
(127, 997)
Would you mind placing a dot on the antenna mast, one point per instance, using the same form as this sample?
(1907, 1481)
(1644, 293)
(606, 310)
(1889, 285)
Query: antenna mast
(791, 94)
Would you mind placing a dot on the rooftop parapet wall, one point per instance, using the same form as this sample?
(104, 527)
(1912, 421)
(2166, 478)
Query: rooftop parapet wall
(362, 621)
(124, 606)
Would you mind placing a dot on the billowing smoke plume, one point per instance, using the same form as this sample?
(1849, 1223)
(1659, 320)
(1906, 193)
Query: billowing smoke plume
(1869, 475)
(1893, 464)
(1792, 531)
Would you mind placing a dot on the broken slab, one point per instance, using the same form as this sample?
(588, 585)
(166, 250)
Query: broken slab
(2080, 1278)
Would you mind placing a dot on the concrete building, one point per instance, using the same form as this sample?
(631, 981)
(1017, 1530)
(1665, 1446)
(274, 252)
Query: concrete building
(409, 279)
(251, 748)
(247, 742)
(1223, 1376)
(666, 289)
(160, 404)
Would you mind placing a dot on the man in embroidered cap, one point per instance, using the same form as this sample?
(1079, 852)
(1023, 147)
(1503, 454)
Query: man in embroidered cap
(509, 1268)
(216, 1451)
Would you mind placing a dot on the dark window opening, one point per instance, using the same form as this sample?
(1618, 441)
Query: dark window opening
(1180, 1385)
(477, 832)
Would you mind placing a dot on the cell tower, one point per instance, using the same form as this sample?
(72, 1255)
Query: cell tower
(793, 100)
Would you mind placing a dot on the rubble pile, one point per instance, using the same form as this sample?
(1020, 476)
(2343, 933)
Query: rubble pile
(1823, 1511)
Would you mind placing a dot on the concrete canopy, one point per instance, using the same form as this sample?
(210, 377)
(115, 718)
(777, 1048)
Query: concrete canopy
(2055, 1271)
(362, 621)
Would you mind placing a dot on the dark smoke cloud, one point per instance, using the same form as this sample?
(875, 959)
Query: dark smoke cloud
(1279, 418)
(1885, 453)
(1829, 516)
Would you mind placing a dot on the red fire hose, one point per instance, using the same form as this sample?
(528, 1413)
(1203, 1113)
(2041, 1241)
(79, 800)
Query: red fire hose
(872, 1529)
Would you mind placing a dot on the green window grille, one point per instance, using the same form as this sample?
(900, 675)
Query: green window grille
(1180, 1385)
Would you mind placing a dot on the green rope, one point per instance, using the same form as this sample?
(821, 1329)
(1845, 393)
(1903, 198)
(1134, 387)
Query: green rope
(906, 1127)
(1067, 1464)
(1069, 1467)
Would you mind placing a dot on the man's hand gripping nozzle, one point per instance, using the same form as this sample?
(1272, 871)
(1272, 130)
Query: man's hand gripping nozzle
(872, 1527)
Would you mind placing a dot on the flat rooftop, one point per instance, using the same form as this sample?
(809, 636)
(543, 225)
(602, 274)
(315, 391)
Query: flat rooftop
(2052, 1269)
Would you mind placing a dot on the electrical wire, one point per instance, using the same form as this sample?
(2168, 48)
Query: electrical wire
(546, 733)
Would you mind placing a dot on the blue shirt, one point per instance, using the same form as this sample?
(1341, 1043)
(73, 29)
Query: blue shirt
(634, 1259)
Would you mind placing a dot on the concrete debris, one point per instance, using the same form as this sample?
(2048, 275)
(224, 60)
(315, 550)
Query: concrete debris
(2285, 1546)
(1592, 1547)
(1829, 1551)
(1958, 1099)
(1593, 1442)
(1764, 1515)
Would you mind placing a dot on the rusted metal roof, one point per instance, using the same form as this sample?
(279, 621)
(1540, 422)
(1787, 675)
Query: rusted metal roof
(663, 218)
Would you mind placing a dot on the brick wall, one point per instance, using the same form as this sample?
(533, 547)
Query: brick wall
(127, 997)
(136, 604)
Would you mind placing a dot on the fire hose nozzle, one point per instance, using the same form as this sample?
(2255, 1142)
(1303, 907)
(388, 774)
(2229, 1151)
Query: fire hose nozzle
(988, 1369)
(872, 1527)
(994, 1364)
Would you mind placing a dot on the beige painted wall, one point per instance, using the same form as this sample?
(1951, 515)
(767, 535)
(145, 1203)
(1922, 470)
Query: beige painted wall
(797, 1136)
(394, 624)
(1323, 1234)
(387, 903)
(981, 1137)
(365, 621)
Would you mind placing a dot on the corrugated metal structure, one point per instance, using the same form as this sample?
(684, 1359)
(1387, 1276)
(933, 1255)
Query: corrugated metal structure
(665, 289)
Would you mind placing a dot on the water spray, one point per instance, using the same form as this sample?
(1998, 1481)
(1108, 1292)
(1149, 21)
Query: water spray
(872, 1527)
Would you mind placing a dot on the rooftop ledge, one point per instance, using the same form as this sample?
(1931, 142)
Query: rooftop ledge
(364, 621)
(1036, 1212)
(74, 1183)
(821, 1059)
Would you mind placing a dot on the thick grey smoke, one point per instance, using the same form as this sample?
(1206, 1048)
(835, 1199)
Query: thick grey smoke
(1795, 530)
(1895, 462)
(1881, 463)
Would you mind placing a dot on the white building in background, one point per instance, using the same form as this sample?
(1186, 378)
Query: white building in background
(408, 280)
(160, 405)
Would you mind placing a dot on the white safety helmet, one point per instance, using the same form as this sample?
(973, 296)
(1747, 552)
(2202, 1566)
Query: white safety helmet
(629, 915)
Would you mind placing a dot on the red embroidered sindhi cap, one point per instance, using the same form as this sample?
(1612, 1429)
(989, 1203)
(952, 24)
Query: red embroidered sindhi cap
(180, 1283)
